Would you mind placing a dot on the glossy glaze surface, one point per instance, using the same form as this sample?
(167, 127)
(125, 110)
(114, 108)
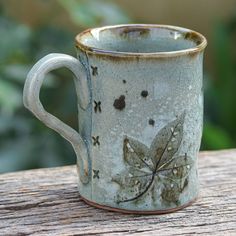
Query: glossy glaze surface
(142, 126)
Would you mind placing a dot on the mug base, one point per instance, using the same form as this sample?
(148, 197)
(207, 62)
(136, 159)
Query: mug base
(138, 212)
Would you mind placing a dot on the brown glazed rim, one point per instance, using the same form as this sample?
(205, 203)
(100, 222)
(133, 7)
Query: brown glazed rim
(188, 34)
(157, 212)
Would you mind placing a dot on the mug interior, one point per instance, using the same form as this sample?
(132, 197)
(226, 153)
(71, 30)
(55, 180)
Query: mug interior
(140, 39)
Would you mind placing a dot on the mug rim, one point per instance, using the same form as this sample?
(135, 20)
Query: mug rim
(199, 40)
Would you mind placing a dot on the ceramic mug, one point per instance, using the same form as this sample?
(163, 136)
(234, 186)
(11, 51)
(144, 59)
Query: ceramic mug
(140, 105)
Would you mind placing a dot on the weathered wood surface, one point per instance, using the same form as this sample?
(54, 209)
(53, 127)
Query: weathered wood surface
(46, 202)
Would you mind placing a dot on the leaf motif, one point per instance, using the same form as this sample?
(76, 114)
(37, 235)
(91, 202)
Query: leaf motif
(167, 141)
(170, 194)
(132, 184)
(177, 167)
(136, 154)
(145, 167)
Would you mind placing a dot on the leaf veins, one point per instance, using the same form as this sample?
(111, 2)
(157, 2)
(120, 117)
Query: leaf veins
(145, 163)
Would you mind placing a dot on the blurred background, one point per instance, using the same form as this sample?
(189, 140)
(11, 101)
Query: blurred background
(31, 29)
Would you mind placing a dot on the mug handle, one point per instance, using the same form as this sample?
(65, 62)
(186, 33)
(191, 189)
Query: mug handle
(31, 101)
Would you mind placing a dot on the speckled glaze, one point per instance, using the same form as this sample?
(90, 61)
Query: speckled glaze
(140, 115)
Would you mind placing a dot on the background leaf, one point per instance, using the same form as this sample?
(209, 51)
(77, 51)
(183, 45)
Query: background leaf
(10, 97)
(215, 137)
(88, 13)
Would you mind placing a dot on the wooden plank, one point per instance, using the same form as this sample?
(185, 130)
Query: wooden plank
(46, 202)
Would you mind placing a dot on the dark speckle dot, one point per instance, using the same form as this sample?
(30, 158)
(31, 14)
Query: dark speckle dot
(151, 122)
(124, 81)
(144, 93)
(119, 103)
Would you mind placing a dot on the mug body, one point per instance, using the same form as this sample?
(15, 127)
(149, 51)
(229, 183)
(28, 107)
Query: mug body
(143, 126)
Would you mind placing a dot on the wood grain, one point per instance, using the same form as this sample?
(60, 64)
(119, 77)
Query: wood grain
(46, 202)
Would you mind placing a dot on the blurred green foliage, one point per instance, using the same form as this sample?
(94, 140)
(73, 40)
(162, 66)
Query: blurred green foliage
(26, 143)
(220, 95)
(89, 13)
